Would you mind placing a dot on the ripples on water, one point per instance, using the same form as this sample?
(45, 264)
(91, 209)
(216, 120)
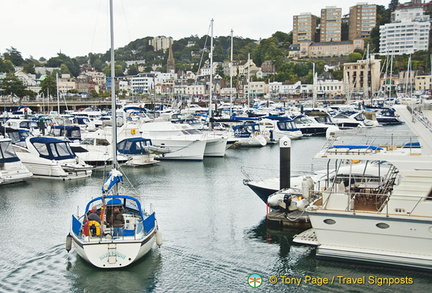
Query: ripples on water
(213, 227)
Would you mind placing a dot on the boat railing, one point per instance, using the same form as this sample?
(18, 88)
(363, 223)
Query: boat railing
(418, 116)
(361, 141)
(373, 201)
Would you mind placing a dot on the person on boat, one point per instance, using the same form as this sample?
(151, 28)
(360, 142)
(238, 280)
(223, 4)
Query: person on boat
(117, 222)
(93, 215)
(41, 123)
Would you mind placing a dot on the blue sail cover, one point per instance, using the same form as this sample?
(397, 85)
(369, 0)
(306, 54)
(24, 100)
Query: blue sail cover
(115, 177)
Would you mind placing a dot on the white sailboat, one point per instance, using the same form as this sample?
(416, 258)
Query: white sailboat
(97, 235)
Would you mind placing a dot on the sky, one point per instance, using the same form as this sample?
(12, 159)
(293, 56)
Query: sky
(45, 28)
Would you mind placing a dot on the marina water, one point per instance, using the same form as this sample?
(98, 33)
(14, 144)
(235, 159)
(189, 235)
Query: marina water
(214, 230)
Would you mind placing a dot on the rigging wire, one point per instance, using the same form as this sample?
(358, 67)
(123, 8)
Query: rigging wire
(205, 44)
(125, 20)
(95, 26)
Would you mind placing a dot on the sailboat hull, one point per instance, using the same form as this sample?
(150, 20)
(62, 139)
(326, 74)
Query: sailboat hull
(110, 254)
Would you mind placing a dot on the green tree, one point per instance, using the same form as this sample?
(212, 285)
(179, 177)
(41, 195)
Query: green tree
(6, 66)
(49, 86)
(393, 4)
(12, 85)
(132, 70)
(14, 56)
(71, 64)
(64, 69)
(29, 68)
(354, 56)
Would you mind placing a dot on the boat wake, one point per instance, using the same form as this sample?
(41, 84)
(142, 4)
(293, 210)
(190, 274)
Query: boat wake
(39, 273)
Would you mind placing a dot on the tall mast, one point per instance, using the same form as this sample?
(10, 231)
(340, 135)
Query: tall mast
(314, 84)
(58, 96)
(211, 71)
(248, 80)
(231, 74)
(113, 100)
(391, 75)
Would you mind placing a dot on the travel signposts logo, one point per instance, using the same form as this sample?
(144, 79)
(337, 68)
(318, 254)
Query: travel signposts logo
(254, 280)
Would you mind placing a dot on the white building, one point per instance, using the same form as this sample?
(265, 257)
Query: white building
(124, 86)
(408, 32)
(196, 90)
(142, 83)
(256, 88)
(329, 87)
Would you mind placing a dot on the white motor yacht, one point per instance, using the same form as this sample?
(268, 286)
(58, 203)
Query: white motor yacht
(386, 221)
(52, 158)
(11, 168)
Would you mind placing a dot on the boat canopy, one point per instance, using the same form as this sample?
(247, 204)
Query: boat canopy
(135, 109)
(52, 148)
(7, 154)
(68, 131)
(245, 130)
(116, 200)
(134, 146)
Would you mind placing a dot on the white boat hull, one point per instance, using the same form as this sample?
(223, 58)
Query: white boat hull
(215, 147)
(14, 172)
(182, 149)
(47, 169)
(114, 253)
(253, 141)
(402, 240)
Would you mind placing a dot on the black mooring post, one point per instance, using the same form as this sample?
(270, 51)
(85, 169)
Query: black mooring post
(285, 162)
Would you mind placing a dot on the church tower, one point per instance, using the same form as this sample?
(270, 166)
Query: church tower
(170, 61)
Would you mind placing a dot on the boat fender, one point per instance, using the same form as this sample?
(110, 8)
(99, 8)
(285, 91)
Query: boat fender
(159, 238)
(301, 205)
(68, 242)
(332, 131)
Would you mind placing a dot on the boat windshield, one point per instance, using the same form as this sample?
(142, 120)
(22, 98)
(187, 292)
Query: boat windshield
(286, 125)
(7, 153)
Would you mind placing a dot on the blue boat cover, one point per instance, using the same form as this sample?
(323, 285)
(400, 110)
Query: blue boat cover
(52, 148)
(351, 147)
(133, 146)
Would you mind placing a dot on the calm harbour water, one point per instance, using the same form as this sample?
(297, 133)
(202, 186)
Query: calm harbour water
(213, 226)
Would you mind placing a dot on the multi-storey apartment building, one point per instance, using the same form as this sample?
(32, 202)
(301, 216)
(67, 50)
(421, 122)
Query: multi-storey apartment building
(362, 19)
(331, 24)
(362, 77)
(142, 83)
(408, 32)
(304, 27)
(161, 43)
(423, 83)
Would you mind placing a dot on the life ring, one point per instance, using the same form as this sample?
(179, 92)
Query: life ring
(133, 131)
(256, 133)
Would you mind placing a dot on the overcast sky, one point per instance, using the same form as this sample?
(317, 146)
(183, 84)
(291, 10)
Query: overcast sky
(43, 28)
